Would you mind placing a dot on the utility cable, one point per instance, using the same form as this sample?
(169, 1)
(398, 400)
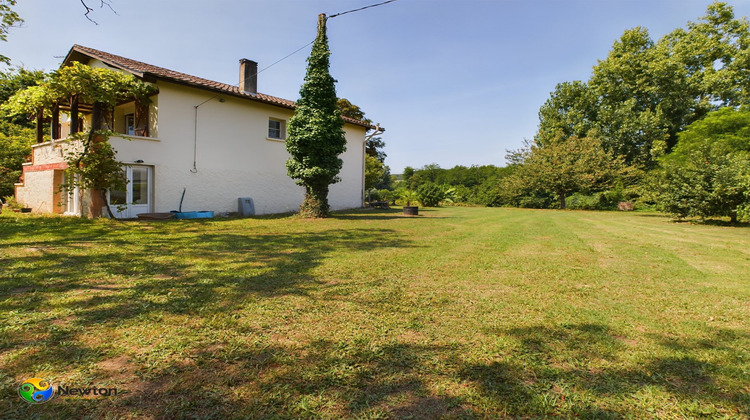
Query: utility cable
(195, 128)
(361, 8)
(310, 43)
(291, 54)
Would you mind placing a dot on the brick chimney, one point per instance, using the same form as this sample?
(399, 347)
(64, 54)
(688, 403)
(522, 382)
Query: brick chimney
(248, 76)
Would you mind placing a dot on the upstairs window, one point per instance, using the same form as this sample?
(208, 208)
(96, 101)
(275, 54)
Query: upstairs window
(275, 129)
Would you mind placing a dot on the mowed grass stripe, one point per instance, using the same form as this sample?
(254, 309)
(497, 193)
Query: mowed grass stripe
(459, 313)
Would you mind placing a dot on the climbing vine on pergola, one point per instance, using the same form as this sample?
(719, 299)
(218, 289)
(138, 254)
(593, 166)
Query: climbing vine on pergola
(78, 88)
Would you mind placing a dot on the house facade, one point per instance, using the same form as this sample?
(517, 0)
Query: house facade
(214, 141)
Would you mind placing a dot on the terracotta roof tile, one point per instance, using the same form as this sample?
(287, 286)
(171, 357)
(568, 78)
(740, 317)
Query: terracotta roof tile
(142, 69)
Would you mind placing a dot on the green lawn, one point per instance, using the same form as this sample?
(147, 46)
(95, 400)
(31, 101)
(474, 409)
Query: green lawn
(459, 313)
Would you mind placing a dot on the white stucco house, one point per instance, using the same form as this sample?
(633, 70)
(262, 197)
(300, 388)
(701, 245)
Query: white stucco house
(217, 142)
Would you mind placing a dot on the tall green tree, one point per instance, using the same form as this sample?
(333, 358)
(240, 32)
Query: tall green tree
(644, 93)
(316, 136)
(570, 111)
(630, 118)
(374, 172)
(375, 145)
(708, 173)
(16, 132)
(350, 110)
(15, 147)
(8, 18)
(565, 167)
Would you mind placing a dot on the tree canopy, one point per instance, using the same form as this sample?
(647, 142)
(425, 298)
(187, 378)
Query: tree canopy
(644, 93)
(671, 108)
(564, 167)
(708, 173)
(8, 18)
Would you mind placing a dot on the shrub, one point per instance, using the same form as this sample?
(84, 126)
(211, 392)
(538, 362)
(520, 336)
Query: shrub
(387, 195)
(488, 194)
(535, 201)
(607, 200)
(707, 184)
(430, 194)
(11, 203)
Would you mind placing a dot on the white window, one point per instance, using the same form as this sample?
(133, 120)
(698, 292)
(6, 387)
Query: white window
(275, 129)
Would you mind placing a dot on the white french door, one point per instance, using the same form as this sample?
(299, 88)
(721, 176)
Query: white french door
(137, 197)
(70, 198)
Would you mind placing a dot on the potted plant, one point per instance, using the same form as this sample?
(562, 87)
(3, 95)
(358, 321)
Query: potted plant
(408, 196)
(12, 204)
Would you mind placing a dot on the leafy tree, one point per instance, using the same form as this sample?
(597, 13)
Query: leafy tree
(374, 147)
(385, 182)
(13, 81)
(487, 194)
(350, 110)
(706, 184)
(708, 173)
(430, 194)
(15, 146)
(316, 136)
(16, 132)
(630, 117)
(570, 111)
(374, 171)
(565, 167)
(8, 18)
(408, 173)
(639, 137)
(714, 53)
(644, 93)
(727, 130)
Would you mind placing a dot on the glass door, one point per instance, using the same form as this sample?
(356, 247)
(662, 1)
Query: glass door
(70, 198)
(136, 198)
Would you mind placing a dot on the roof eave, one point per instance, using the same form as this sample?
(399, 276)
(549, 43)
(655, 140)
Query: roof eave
(77, 49)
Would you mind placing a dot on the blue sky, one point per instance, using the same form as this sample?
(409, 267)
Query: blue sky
(455, 82)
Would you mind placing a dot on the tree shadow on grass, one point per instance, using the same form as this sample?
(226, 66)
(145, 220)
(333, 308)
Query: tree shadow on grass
(327, 379)
(723, 223)
(73, 277)
(570, 370)
(385, 214)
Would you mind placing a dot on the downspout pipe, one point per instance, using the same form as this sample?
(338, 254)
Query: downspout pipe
(195, 133)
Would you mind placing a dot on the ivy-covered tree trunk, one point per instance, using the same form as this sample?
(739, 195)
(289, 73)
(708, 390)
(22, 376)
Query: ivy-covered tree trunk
(316, 136)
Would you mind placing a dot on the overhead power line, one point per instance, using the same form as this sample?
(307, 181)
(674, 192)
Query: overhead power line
(279, 61)
(306, 45)
(361, 8)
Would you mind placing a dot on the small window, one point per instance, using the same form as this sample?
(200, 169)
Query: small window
(275, 129)
(130, 124)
